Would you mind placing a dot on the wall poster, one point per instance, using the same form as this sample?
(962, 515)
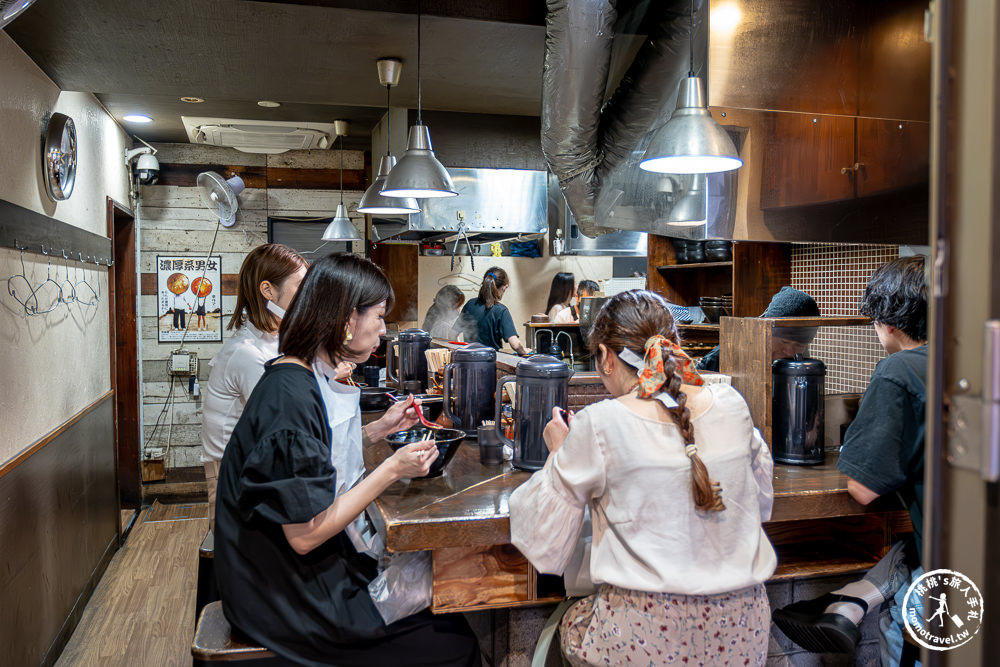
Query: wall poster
(189, 299)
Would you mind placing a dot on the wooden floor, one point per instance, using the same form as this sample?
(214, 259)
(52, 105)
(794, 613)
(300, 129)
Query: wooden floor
(142, 612)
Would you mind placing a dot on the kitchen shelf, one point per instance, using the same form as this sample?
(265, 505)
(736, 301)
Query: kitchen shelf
(698, 327)
(695, 265)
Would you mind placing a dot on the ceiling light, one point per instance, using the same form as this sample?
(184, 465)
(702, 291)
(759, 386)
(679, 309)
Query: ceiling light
(419, 174)
(692, 208)
(193, 100)
(341, 228)
(691, 142)
(137, 118)
(374, 202)
(269, 104)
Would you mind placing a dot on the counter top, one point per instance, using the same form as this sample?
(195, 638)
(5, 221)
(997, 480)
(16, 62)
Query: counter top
(468, 505)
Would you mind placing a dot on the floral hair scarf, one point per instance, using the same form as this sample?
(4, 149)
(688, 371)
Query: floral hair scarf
(652, 375)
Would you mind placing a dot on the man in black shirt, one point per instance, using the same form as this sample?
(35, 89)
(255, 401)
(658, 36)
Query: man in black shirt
(883, 453)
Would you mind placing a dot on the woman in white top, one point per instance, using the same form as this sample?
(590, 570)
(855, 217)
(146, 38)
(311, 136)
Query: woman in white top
(268, 280)
(561, 294)
(678, 482)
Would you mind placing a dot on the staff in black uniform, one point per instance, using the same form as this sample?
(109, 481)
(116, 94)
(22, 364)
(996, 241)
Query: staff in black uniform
(486, 320)
(289, 570)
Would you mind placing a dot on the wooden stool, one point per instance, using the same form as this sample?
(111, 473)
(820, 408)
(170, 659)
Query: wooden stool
(206, 590)
(216, 641)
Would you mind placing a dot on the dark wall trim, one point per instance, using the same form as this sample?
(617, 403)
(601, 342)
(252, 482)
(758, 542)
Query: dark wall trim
(58, 529)
(32, 231)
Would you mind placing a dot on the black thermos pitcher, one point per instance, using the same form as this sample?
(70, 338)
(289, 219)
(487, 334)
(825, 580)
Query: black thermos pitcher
(542, 384)
(797, 412)
(468, 387)
(412, 362)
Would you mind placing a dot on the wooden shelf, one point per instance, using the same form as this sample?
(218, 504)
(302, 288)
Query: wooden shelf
(695, 265)
(698, 327)
(820, 559)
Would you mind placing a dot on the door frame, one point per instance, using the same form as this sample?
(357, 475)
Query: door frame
(123, 332)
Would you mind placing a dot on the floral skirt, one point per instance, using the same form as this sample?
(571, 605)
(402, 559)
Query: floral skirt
(618, 626)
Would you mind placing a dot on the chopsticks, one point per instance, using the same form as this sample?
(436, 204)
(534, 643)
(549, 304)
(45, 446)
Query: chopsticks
(420, 413)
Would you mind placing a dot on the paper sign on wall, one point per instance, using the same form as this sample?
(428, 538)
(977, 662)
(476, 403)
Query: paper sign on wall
(188, 299)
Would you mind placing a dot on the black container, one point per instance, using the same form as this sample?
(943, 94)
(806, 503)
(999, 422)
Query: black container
(798, 411)
(680, 251)
(695, 251)
(542, 384)
(446, 439)
(469, 381)
(410, 363)
(718, 251)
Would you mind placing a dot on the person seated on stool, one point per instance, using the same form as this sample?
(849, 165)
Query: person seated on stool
(678, 483)
(291, 535)
(883, 454)
(786, 342)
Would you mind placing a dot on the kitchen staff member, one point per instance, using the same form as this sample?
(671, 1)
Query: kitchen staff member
(268, 280)
(562, 294)
(291, 572)
(486, 320)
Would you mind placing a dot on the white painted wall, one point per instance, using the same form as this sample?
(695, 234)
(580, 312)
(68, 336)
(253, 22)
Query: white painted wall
(53, 365)
(530, 279)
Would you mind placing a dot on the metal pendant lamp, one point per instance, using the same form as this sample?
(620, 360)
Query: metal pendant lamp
(691, 142)
(419, 174)
(691, 209)
(341, 228)
(374, 202)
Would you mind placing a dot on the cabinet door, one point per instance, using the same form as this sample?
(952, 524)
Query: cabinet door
(805, 157)
(892, 154)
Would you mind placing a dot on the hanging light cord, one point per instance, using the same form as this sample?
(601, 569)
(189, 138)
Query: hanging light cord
(388, 121)
(419, 121)
(690, 40)
(341, 170)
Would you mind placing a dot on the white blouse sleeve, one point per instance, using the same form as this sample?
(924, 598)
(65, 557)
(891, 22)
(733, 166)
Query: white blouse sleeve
(245, 369)
(763, 473)
(546, 512)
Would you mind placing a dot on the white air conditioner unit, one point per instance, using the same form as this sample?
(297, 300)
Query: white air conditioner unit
(258, 136)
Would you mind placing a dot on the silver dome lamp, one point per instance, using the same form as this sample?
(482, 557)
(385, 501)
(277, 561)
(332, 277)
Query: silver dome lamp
(419, 174)
(691, 142)
(374, 202)
(691, 208)
(341, 228)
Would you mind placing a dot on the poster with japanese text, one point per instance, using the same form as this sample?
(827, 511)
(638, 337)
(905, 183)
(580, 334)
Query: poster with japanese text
(188, 299)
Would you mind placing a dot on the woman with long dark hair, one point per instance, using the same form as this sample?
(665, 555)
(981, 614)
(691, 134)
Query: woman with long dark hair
(561, 293)
(292, 538)
(678, 482)
(486, 320)
(268, 280)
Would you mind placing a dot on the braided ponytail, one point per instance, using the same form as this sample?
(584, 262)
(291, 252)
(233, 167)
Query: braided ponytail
(707, 494)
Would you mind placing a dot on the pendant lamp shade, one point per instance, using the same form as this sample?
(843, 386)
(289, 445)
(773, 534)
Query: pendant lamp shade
(419, 174)
(341, 228)
(375, 203)
(691, 142)
(692, 208)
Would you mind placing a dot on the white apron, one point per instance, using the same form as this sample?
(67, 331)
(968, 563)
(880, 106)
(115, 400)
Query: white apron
(343, 409)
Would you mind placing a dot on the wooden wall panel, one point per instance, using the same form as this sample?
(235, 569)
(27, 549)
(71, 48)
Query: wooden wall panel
(400, 265)
(480, 577)
(58, 530)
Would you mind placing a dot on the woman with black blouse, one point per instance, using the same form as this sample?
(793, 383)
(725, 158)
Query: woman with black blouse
(291, 535)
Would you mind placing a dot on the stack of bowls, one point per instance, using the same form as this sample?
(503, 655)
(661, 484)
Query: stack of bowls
(715, 307)
(718, 251)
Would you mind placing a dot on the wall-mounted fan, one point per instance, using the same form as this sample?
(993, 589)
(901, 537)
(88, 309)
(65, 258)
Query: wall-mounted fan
(220, 195)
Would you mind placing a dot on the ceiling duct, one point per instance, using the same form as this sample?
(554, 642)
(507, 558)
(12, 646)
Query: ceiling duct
(259, 136)
(592, 145)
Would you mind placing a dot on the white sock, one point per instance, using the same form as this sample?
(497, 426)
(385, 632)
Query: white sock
(863, 589)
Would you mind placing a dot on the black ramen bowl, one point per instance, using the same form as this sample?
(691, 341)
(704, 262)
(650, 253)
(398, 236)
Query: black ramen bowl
(375, 398)
(447, 440)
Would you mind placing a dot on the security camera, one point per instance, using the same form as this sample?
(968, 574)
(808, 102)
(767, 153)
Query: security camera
(147, 167)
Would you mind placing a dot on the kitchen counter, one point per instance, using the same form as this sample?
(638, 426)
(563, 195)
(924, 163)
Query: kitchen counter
(463, 517)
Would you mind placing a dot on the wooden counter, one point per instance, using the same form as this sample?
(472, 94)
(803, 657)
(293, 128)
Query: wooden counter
(463, 517)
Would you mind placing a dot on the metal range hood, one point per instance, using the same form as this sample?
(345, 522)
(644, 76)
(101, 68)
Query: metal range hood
(492, 205)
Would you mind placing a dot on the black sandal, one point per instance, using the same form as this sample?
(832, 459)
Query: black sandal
(806, 623)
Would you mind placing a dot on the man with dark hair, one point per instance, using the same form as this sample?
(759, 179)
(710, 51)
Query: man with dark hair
(883, 453)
